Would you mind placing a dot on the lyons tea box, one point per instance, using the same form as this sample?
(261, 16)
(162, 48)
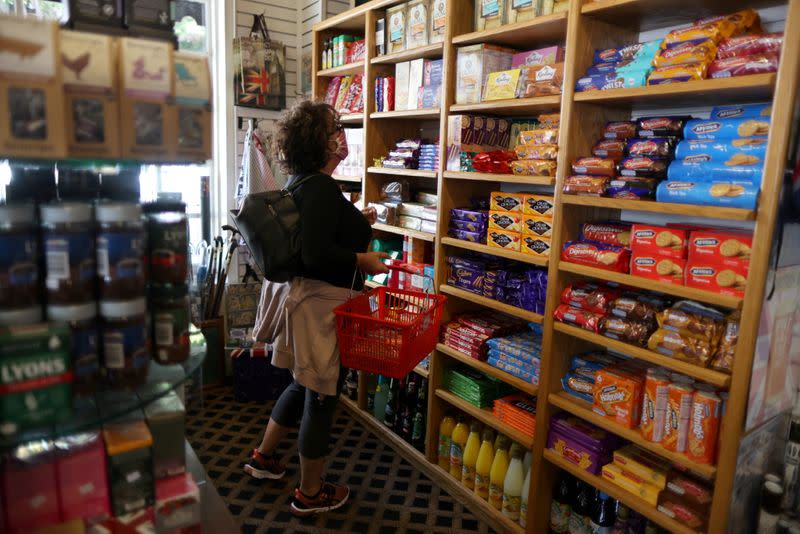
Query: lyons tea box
(89, 71)
(191, 112)
(31, 97)
(146, 74)
(35, 376)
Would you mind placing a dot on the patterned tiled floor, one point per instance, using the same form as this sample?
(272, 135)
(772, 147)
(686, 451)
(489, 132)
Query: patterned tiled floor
(387, 494)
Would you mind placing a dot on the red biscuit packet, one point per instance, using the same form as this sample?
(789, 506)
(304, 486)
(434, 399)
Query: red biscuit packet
(743, 66)
(598, 255)
(574, 316)
(748, 45)
(589, 297)
(610, 233)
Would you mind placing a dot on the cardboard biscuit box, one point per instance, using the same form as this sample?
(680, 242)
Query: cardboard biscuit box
(706, 273)
(146, 69)
(91, 89)
(31, 94)
(191, 111)
(668, 242)
(649, 264)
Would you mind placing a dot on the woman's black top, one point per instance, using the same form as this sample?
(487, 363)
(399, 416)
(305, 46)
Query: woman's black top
(332, 229)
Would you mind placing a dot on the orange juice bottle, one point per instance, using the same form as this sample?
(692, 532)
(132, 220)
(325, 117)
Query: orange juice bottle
(445, 431)
(484, 466)
(497, 474)
(471, 456)
(457, 442)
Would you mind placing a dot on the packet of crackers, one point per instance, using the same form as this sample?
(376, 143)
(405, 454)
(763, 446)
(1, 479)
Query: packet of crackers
(677, 73)
(536, 225)
(541, 205)
(723, 359)
(686, 53)
(715, 31)
(535, 245)
(533, 167)
(587, 320)
(544, 136)
(702, 322)
(618, 396)
(549, 152)
(597, 255)
(682, 346)
(749, 45)
(612, 233)
(589, 296)
(591, 186)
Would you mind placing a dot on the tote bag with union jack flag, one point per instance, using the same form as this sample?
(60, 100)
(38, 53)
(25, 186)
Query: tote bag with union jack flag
(259, 80)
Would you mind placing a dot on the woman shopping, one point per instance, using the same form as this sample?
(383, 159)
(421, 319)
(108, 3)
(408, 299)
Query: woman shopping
(297, 317)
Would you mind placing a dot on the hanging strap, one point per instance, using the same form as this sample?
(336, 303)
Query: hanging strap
(259, 27)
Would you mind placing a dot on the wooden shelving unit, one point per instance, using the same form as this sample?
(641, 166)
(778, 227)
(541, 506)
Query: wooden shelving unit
(586, 26)
(357, 67)
(352, 118)
(343, 178)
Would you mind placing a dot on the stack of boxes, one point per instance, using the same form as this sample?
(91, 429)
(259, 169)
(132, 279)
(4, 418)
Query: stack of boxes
(533, 73)
(490, 15)
(411, 25)
(468, 135)
(538, 148)
(429, 156)
(474, 64)
(417, 85)
(346, 93)
(521, 222)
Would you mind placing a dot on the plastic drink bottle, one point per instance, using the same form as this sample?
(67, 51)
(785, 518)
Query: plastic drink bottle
(457, 442)
(445, 432)
(471, 456)
(381, 396)
(497, 475)
(512, 485)
(523, 505)
(484, 466)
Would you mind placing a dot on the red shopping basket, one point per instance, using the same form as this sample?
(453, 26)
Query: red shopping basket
(388, 331)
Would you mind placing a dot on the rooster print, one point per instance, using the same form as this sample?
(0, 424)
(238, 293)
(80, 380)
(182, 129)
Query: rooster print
(76, 65)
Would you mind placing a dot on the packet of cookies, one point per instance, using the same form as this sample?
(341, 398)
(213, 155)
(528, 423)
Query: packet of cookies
(693, 318)
(589, 296)
(662, 241)
(735, 170)
(730, 152)
(729, 248)
(654, 147)
(727, 194)
(647, 264)
(714, 31)
(549, 120)
(632, 188)
(595, 167)
(740, 127)
(609, 148)
(612, 233)
(534, 167)
(748, 45)
(618, 396)
(686, 53)
(537, 151)
(590, 186)
(598, 255)
(711, 275)
(619, 130)
(587, 320)
(677, 73)
(743, 20)
(644, 167)
(543, 136)
(723, 359)
(681, 346)
(661, 126)
(744, 66)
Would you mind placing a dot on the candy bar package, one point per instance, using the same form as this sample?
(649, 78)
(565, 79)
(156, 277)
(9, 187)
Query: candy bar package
(490, 14)
(727, 152)
(655, 147)
(549, 152)
(613, 80)
(589, 296)
(677, 73)
(639, 52)
(565, 313)
(598, 255)
(644, 167)
(738, 111)
(619, 130)
(660, 126)
(632, 188)
(467, 226)
(686, 53)
(595, 167)
(618, 234)
(744, 66)
(464, 214)
(541, 205)
(472, 237)
(609, 148)
(715, 172)
(725, 194)
(594, 186)
(465, 278)
(396, 191)
(749, 45)
(580, 442)
(533, 167)
(733, 128)
(542, 56)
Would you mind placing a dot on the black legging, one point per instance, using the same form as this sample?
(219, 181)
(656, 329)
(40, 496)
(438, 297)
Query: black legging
(298, 404)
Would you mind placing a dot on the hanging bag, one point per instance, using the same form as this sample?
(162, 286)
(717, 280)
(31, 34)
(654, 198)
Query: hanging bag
(259, 80)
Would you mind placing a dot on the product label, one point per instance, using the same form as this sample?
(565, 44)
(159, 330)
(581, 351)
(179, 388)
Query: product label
(439, 16)
(559, 517)
(482, 485)
(397, 23)
(468, 476)
(511, 506)
(456, 457)
(444, 447)
(69, 257)
(496, 495)
(119, 255)
(18, 261)
(84, 353)
(490, 8)
(125, 347)
(521, 4)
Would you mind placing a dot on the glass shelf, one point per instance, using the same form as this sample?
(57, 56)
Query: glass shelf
(90, 412)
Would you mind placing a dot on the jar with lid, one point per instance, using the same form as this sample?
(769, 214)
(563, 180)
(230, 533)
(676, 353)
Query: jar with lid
(169, 309)
(69, 252)
(82, 322)
(125, 351)
(19, 269)
(120, 251)
(168, 242)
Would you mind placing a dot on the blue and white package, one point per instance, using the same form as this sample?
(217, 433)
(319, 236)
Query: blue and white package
(726, 128)
(748, 111)
(526, 360)
(637, 53)
(722, 194)
(750, 151)
(571, 384)
(680, 171)
(532, 378)
(616, 79)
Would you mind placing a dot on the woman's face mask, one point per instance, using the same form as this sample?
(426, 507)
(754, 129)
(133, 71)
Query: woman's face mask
(341, 145)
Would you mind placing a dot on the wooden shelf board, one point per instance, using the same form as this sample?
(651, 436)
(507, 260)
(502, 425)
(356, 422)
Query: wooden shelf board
(431, 113)
(356, 67)
(689, 210)
(493, 304)
(485, 416)
(507, 178)
(736, 89)
(513, 106)
(701, 295)
(583, 410)
(403, 172)
(414, 234)
(421, 371)
(429, 51)
(629, 499)
(651, 14)
(343, 178)
(351, 118)
(710, 376)
(521, 34)
(495, 251)
(525, 387)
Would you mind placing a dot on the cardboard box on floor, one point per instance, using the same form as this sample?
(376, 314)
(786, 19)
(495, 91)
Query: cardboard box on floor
(91, 88)
(191, 112)
(146, 75)
(31, 94)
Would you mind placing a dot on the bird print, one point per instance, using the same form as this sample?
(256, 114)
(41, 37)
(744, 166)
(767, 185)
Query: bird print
(20, 47)
(78, 64)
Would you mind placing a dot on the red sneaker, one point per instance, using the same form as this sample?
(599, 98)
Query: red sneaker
(330, 497)
(260, 466)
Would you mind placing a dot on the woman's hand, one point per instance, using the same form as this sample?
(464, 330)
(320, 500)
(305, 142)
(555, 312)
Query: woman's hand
(372, 262)
(371, 214)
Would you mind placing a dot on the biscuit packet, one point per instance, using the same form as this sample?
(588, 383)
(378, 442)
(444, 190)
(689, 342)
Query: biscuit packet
(543, 136)
(693, 319)
(549, 152)
(534, 167)
(723, 359)
(682, 346)
(677, 73)
(686, 53)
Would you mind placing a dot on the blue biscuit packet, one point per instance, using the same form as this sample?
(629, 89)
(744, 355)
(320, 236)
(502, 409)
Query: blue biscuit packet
(613, 80)
(680, 171)
(468, 226)
(748, 151)
(750, 111)
(532, 378)
(465, 214)
(578, 387)
(637, 52)
(726, 128)
(723, 194)
(472, 237)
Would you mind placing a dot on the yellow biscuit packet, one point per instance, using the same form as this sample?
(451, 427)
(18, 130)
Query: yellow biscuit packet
(677, 73)
(501, 85)
(549, 152)
(686, 53)
(533, 167)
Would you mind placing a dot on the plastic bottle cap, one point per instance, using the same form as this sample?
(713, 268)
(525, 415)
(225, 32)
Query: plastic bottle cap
(76, 312)
(110, 212)
(17, 214)
(121, 309)
(67, 212)
(19, 317)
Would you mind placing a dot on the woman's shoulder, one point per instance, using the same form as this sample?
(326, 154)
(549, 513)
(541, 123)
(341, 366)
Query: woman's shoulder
(312, 180)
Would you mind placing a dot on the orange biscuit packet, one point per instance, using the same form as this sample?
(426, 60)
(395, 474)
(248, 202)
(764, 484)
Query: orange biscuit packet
(549, 152)
(716, 31)
(679, 410)
(677, 73)
(701, 445)
(618, 396)
(544, 136)
(654, 406)
(687, 53)
(533, 167)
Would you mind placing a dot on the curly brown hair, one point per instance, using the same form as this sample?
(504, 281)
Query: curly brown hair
(302, 140)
